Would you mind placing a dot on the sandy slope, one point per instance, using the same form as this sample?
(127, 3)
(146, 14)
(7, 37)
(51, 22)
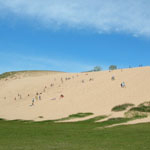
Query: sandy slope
(97, 96)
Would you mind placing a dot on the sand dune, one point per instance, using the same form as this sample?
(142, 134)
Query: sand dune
(99, 95)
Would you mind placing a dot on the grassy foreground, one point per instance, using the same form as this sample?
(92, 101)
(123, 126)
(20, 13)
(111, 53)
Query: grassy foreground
(84, 135)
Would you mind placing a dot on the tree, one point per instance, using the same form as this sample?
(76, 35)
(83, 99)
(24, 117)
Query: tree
(112, 67)
(97, 68)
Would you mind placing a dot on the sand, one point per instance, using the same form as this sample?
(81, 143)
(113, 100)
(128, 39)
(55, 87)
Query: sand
(98, 96)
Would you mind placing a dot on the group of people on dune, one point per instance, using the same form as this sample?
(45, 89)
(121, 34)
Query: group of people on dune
(38, 96)
(52, 85)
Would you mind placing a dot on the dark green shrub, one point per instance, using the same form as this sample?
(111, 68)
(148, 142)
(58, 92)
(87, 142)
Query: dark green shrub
(112, 67)
(141, 109)
(80, 115)
(122, 107)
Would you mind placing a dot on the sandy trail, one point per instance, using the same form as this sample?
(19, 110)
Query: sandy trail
(143, 120)
(98, 96)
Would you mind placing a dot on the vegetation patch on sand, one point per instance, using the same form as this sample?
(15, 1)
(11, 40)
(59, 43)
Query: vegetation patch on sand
(7, 74)
(144, 107)
(142, 110)
(26, 73)
(135, 114)
(119, 120)
(40, 117)
(122, 107)
(80, 115)
(73, 116)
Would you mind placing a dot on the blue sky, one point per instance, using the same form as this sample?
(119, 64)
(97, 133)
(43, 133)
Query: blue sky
(73, 36)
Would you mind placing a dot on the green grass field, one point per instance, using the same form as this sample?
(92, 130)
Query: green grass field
(84, 135)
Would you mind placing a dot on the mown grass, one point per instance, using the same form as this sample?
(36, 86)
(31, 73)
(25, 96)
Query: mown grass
(83, 135)
(122, 107)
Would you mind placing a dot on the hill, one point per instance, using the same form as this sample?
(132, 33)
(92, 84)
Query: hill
(64, 94)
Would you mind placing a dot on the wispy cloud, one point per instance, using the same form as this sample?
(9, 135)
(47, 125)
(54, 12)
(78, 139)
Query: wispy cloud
(130, 16)
(13, 62)
(59, 65)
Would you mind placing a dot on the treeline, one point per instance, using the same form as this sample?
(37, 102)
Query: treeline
(99, 68)
(111, 67)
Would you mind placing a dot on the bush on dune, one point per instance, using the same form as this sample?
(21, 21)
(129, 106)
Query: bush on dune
(135, 114)
(122, 107)
(80, 115)
(142, 110)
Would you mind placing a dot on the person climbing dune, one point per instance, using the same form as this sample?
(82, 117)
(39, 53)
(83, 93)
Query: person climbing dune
(123, 85)
(113, 78)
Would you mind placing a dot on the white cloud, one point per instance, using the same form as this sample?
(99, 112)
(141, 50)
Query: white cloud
(103, 16)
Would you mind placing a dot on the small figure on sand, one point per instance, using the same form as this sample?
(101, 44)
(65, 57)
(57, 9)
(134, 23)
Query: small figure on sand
(91, 79)
(32, 102)
(39, 97)
(51, 84)
(53, 99)
(113, 78)
(82, 81)
(123, 85)
(15, 99)
(61, 80)
(61, 96)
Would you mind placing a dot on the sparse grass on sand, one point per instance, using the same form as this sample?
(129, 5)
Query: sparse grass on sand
(142, 110)
(83, 135)
(122, 107)
(7, 74)
(29, 72)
